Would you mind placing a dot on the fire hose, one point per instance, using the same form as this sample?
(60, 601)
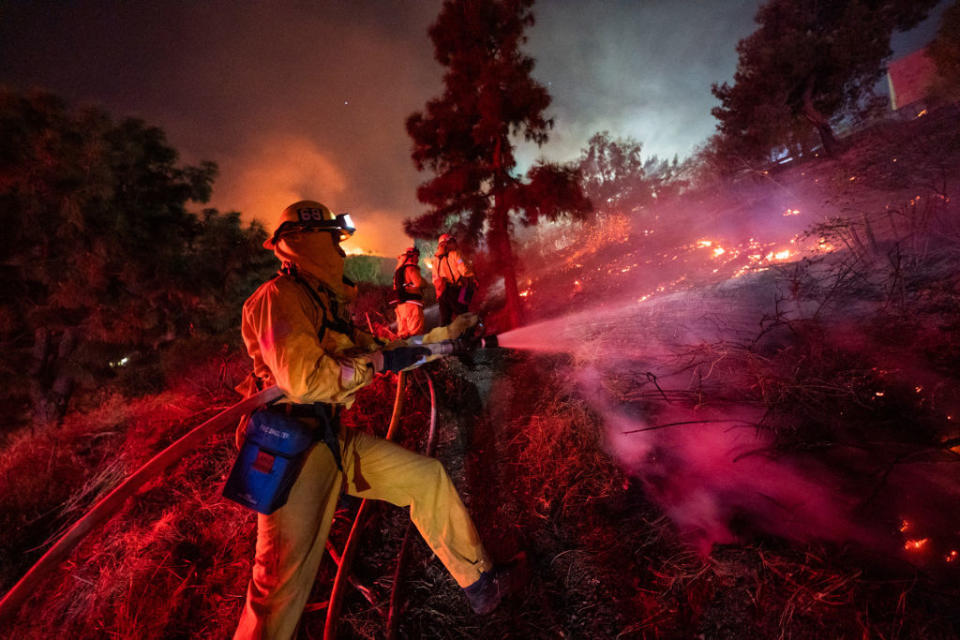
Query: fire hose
(104, 509)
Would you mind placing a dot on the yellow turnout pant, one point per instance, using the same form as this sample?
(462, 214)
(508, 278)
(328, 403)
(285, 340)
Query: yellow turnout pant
(291, 540)
(409, 319)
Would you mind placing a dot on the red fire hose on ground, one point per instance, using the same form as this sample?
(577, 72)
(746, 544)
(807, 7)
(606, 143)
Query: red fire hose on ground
(110, 504)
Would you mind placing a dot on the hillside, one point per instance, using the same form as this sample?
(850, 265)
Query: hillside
(736, 418)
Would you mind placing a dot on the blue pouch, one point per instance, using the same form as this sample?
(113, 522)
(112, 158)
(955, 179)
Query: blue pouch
(269, 461)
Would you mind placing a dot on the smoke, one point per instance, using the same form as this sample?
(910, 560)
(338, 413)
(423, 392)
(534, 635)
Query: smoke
(715, 475)
(274, 171)
(670, 379)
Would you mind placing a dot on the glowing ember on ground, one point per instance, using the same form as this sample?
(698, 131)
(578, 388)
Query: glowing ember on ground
(915, 545)
(952, 556)
(904, 525)
(703, 244)
(719, 251)
(791, 212)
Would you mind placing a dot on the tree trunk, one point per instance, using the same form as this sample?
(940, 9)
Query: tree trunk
(819, 121)
(506, 262)
(51, 381)
(500, 241)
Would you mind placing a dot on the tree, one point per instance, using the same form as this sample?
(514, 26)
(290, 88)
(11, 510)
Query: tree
(945, 53)
(464, 135)
(810, 62)
(100, 255)
(616, 178)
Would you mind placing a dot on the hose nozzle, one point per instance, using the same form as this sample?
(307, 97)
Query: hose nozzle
(463, 345)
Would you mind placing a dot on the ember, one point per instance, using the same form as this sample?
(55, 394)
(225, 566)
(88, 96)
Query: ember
(915, 545)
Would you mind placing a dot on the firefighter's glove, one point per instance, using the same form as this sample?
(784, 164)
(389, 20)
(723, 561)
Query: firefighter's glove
(399, 359)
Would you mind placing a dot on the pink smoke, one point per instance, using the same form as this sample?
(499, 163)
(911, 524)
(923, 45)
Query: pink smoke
(712, 469)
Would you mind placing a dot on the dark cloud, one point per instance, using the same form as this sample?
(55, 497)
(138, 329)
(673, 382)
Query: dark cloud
(640, 69)
(296, 99)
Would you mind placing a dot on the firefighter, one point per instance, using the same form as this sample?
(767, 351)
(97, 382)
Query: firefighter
(408, 286)
(452, 278)
(300, 337)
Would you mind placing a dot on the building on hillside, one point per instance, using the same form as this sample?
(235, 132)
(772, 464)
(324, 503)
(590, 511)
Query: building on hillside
(909, 79)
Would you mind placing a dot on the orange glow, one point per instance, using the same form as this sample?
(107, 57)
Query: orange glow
(719, 251)
(952, 556)
(922, 113)
(916, 545)
(703, 244)
(791, 212)
(904, 525)
(354, 251)
(525, 293)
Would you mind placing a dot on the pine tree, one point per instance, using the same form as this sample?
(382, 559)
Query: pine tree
(464, 135)
(810, 62)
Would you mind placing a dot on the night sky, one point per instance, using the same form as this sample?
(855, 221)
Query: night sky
(308, 99)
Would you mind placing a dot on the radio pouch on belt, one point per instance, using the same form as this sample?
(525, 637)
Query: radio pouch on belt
(269, 462)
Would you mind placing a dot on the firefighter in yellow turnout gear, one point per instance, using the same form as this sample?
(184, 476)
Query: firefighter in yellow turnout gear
(408, 286)
(298, 332)
(452, 278)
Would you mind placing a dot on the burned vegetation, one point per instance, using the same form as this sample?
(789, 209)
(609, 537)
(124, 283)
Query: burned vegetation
(699, 434)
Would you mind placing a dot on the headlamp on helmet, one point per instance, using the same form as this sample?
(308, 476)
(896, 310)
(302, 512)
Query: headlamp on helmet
(308, 215)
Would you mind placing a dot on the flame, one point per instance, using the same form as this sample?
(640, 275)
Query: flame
(703, 244)
(791, 212)
(904, 525)
(922, 113)
(525, 293)
(952, 556)
(916, 545)
(719, 251)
